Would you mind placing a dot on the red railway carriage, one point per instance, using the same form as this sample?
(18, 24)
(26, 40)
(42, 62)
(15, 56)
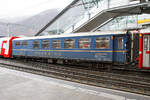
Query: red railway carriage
(144, 49)
(6, 46)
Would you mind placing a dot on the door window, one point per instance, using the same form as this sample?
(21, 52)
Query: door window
(145, 43)
(120, 43)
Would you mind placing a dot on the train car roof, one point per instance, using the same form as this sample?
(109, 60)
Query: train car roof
(5, 38)
(2, 36)
(147, 30)
(75, 35)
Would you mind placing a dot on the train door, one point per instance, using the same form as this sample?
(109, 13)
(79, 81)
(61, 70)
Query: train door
(119, 52)
(6, 48)
(3, 49)
(1, 41)
(146, 51)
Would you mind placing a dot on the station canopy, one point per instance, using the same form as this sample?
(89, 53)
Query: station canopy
(72, 16)
(79, 12)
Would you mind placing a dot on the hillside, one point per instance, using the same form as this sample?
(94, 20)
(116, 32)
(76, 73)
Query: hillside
(26, 26)
(38, 21)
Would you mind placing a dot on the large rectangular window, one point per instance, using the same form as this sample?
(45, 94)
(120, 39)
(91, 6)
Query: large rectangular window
(24, 43)
(102, 42)
(120, 43)
(17, 43)
(84, 43)
(36, 44)
(69, 43)
(45, 44)
(56, 44)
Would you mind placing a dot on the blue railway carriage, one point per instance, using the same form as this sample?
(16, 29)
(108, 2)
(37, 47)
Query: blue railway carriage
(96, 46)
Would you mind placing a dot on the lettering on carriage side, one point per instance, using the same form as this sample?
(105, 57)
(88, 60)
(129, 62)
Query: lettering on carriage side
(45, 53)
(97, 54)
(49, 54)
(57, 54)
(103, 56)
(36, 53)
(100, 55)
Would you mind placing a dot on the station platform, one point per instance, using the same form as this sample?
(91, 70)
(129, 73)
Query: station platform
(16, 85)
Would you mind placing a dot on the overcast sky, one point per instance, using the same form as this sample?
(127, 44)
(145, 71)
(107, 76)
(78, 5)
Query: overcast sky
(17, 8)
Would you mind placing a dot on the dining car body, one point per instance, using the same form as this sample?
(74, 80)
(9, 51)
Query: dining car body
(104, 47)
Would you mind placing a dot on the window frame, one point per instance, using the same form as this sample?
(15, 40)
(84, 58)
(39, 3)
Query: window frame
(45, 45)
(72, 44)
(24, 43)
(108, 39)
(120, 46)
(55, 47)
(89, 45)
(17, 44)
(38, 43)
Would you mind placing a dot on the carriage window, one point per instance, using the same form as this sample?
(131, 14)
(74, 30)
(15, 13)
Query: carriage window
(102, 42)
(84, 43)
(17, 43)
(36, 44)
(45, 43)
(120, 43)
(24, 43)
(145, 43)
(56, 44)
(69, 43)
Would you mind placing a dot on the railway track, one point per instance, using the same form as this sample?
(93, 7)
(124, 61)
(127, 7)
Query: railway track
(125, 82)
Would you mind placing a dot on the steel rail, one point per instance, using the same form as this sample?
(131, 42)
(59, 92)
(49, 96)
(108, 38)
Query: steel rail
(102, 79)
